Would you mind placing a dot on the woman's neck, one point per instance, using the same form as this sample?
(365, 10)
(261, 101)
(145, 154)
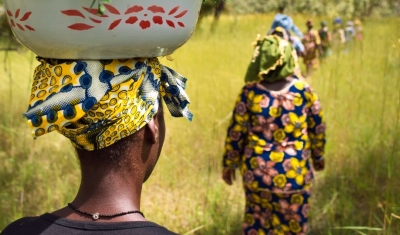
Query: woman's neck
(277, 85)
(106, 191)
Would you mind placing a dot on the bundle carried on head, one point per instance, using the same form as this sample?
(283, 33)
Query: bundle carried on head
(274, 58)
(337, 21)
(97, 103)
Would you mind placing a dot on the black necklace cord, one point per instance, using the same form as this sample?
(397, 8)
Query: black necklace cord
(97, 216)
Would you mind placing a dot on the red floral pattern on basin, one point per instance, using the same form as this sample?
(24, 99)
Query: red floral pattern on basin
(153, 15)
(17, 22)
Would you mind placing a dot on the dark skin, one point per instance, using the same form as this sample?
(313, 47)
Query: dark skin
(112, 178)
(228, 174)
(319, 165)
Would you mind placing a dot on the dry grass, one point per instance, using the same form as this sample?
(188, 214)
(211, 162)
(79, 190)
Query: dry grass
(360, 94)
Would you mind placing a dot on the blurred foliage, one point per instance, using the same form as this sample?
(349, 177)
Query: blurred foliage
(207, 9)
(331, 8)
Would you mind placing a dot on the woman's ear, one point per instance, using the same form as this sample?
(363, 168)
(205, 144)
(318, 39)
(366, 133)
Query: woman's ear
(152, 131)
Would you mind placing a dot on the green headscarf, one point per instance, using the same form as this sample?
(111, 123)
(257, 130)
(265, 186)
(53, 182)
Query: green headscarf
(273, 59)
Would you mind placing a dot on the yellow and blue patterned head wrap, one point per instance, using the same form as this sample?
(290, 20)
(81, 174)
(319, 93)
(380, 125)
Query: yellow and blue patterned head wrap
(97, 103)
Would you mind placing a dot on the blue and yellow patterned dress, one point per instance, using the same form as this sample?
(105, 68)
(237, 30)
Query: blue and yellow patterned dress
(271, 138)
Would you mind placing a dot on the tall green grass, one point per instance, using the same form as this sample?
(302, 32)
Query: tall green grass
(356, 194)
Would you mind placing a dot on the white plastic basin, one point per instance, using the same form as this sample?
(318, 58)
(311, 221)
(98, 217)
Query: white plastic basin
(68, 29)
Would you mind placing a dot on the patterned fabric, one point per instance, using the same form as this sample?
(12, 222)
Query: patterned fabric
(311, 42)
(274, 58)
(97, 103)
(276, 214)
(271, 137)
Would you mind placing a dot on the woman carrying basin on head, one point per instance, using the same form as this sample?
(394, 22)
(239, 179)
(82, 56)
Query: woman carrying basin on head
(112, 112)
(277, 132)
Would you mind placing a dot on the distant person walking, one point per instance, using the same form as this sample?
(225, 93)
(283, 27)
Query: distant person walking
(350, 34)
(312, 44)
(326, 39)
(359, 30)
(338, 39)
(277, 127)
(286, 22)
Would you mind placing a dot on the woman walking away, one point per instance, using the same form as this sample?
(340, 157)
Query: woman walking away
(326, 38)
(286, 22)
(359, 30)
(277, 127)
(350, 34)
(339, 38)
(112, 113)
(312, 44)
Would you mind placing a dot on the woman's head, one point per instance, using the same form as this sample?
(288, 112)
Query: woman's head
(281, 7)
(350, 23)
(274, 58)
(309, 24)
(109, 108)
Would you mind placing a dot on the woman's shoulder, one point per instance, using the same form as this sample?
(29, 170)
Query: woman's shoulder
(21, 226)
(295, 85)
(250, 86)
(50, 224)
(300, 86)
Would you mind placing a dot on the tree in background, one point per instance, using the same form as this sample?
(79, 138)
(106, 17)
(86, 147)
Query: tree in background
(212, 8)
(329, 8)
(219, 8)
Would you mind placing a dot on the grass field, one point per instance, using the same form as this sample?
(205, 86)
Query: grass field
(356, 194)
